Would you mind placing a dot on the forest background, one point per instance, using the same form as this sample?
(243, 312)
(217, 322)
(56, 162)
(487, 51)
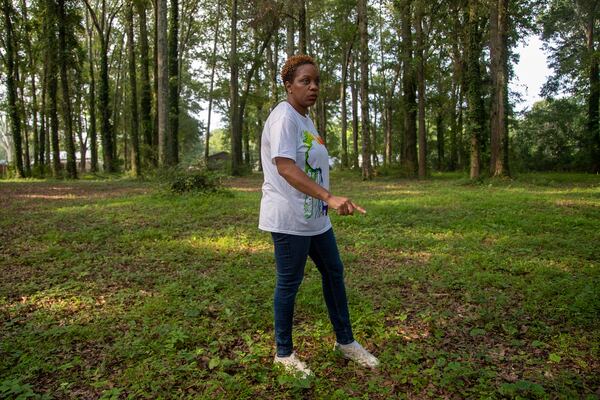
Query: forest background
(408, 87)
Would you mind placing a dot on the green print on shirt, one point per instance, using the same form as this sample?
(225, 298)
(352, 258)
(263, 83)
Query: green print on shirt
(313, 208)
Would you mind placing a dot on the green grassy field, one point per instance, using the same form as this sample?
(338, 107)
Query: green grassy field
(118, 289)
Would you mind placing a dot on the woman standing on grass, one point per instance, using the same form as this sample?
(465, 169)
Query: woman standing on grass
(294, 209)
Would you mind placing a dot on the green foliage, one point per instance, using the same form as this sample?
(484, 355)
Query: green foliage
(551, 136)
(522, 390)
(14, 389)
(197, 182)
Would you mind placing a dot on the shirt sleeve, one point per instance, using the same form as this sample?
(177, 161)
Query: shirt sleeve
(284, 138)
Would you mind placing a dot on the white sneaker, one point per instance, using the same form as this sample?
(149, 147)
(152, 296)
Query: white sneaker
(293, 365)
(355, 352)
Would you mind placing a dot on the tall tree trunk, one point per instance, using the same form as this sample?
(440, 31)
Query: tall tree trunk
(155, 136)
(439, 127)
(79, 114)
(11, 71)
(163, 83)
(48, 141)
(236, 134)
(213, 66)
(43, 134)
(354, 94)
(118, 117)
(173, 136)
(385, 117)
(53, 114)
(148, 153)
(302, 27)
(475, 112)
(290, 47)
(421, 86)
(374, 158)
(272, 71)
(409, 152)
(321, 118)
(594, 97)
(389, 96)
(457, 78)
(462, 151)
(246, 142)
(103, 28)
(34, 102)
(66, 98)
(135, 145)
(498, 26)
(259, 126)
(24, 117)
(92, 100)
(367, 170)
(508, 109)
(452, 162)
(387, 145)
(106, 127)
(344, 117)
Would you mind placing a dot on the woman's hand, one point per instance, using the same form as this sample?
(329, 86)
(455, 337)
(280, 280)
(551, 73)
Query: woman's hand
(344, 205)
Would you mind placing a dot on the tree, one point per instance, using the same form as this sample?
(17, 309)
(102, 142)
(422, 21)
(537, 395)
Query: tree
(302, 27)
(367, 170)
(173, 131)
(149, 150)
(103, 25)
(213, 67)
(234, 96)
(354, 95)
(409, 152)
(569, 28)
(475, 111)
(135, 145)
(63, 24)
(553, 136)
(420, 63)
(498, 55)
(92, 98)
(11, 83)
(162, 93)
(32, 63)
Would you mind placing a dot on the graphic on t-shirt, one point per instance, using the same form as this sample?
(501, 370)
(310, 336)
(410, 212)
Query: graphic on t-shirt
(313, 208)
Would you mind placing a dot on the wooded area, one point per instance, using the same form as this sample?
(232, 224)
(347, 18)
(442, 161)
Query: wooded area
(406, 85)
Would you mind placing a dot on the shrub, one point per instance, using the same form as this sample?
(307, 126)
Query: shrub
(197, 181)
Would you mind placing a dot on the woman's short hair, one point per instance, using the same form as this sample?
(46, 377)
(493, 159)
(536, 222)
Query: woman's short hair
(291, 65)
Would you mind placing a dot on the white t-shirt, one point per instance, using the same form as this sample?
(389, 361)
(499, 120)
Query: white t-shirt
(283, 208)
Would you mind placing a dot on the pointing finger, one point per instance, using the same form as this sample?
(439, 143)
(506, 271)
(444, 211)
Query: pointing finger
(359, 208)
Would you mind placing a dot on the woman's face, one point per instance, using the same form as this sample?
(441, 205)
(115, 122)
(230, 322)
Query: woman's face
(303, 91)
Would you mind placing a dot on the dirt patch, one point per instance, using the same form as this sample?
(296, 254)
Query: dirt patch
(244, 184)
(25, 196)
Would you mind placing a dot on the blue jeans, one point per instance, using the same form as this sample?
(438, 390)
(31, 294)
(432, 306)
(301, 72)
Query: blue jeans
(291, 252)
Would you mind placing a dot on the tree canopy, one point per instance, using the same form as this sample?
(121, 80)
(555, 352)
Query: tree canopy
(406, 85)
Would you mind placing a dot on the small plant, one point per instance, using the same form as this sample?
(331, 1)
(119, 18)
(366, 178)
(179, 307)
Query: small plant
(200, 181)
(14, 389)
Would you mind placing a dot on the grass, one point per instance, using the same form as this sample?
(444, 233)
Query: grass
(116, 289)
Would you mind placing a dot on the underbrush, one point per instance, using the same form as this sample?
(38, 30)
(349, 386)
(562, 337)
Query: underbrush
(124, 289)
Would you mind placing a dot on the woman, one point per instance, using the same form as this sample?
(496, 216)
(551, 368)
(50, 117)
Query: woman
(294, 209)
